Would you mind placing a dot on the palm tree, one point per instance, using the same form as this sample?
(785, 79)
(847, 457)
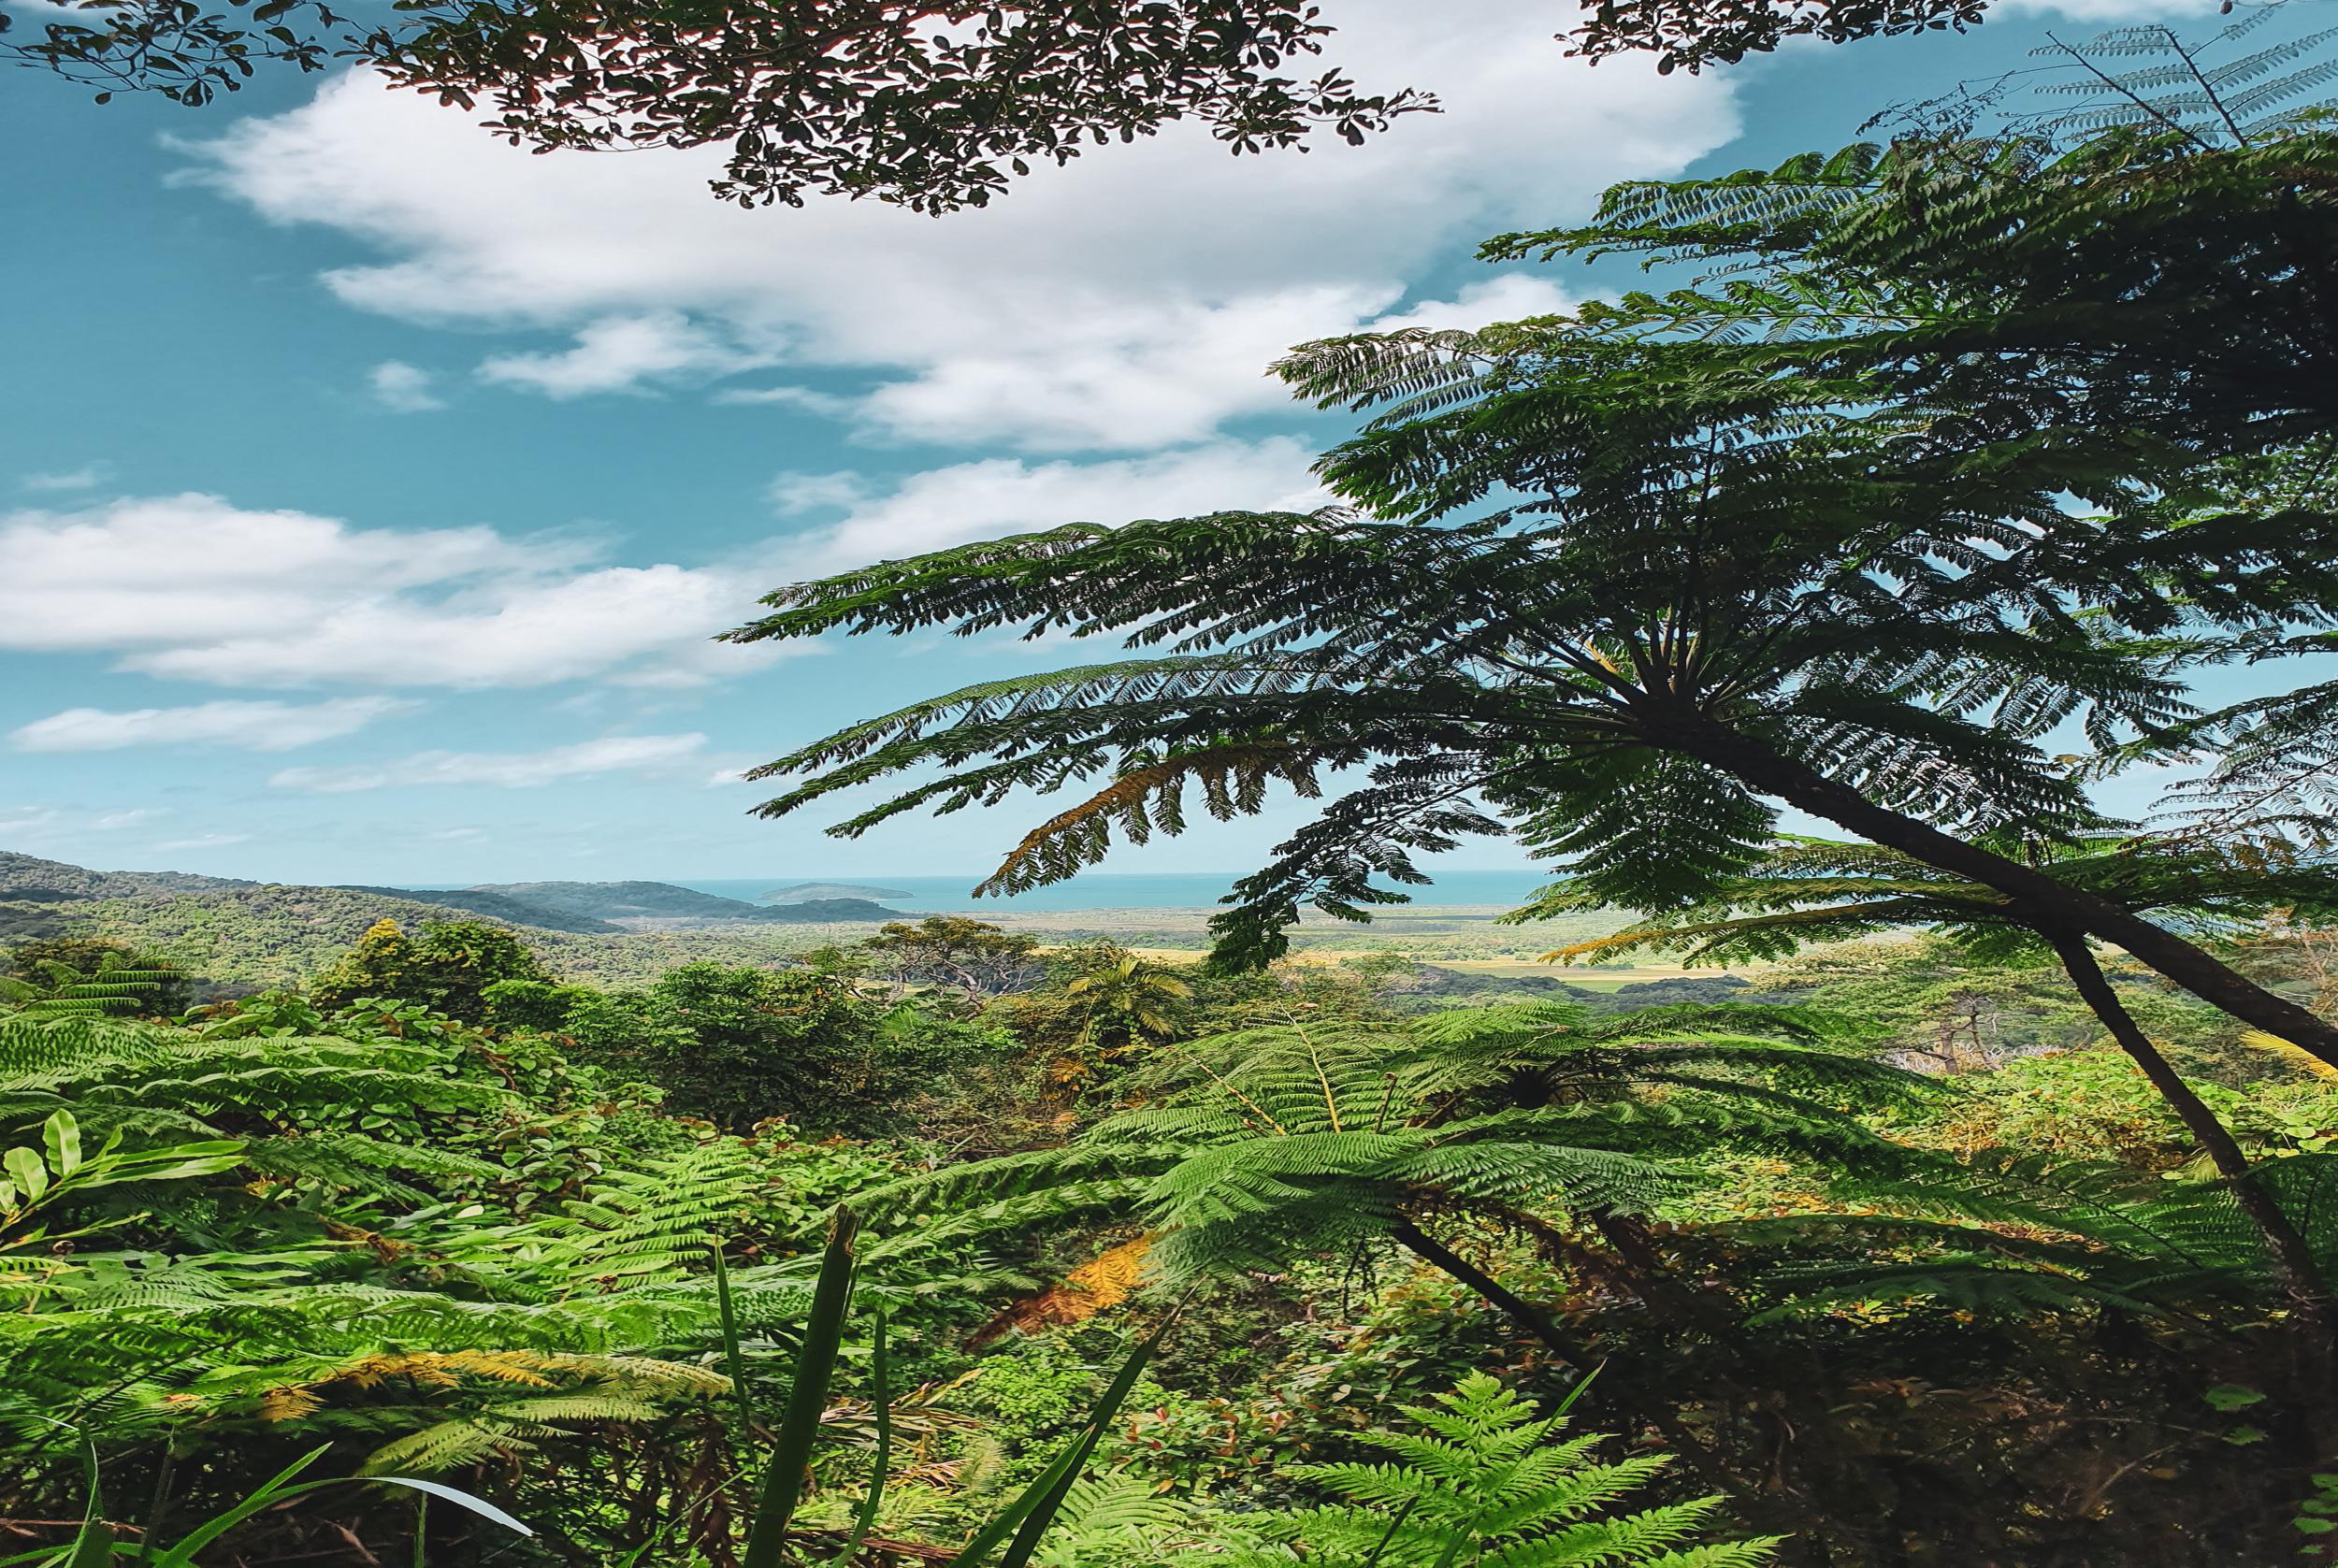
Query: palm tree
(1124, 1000)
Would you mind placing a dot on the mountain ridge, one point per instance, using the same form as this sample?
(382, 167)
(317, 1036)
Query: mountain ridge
(246, 934)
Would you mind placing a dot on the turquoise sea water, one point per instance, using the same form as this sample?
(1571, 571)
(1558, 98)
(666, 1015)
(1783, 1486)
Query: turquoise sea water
(1117, 890)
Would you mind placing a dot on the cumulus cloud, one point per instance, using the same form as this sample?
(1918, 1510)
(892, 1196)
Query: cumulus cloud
(195, 588)
(625, 353)
(948, 506)
(610, 754)
(255, 727)
(168, 570)
(1128, 302)
(404, 388)
(1510, 297)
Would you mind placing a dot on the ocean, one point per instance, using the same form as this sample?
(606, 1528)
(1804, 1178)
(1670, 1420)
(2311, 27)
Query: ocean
(929, 894)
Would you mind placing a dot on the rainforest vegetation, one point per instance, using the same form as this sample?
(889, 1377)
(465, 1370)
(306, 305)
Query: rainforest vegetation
(1987, 1217)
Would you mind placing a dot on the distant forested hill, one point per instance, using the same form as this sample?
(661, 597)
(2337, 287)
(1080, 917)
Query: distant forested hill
(276, 936)
(495, 906)
(30, 877)
(663, 900)
(821, 892)
(622, 900)
(241, 934)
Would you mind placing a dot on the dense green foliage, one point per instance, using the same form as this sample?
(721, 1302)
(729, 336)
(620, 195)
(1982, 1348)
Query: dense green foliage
(738, 1046)
(1487, 1481)
(1990, 1219)
(483, 1254)
(447, 965)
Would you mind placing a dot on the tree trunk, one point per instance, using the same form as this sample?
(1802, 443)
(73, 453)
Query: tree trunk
(2301, 1275)
(1799, 785)
(1571, 1350)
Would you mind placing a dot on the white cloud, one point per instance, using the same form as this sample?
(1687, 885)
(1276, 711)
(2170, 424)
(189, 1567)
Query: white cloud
(527, 633)
(167, 570)
(404, 388)
(207, 841)
(256, 726)
(87, 477)
(194, 588)
(115, 821)
(30, 821)
(1512, 296)
(948, 506)
(625, 353)
(502, 769)
(1128, 302)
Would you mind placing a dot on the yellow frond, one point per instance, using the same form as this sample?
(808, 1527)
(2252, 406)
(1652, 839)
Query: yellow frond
(1100, 1283)
(288, 1404)
(2294, 1055)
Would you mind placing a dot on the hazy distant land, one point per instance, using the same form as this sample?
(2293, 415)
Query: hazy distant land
(246, 934)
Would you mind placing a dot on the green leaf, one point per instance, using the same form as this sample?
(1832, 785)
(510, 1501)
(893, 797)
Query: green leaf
(29, 1172)
(2232, 1396)
(880, 1398)
(266, 1496)
(729, 1319)
(807, 1398)
(93, 1543)
(62, 1136)
(1030, 1515)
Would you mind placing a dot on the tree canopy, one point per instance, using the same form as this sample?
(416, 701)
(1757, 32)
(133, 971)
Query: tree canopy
(1620, 580)
(938, 107)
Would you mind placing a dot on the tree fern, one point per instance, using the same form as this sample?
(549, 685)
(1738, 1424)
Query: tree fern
(1313, 1137)
(1490, 1482)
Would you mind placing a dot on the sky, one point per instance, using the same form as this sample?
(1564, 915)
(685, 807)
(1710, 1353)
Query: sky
(370, 489)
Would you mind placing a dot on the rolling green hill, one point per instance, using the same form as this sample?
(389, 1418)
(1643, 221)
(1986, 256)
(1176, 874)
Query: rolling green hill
(495, 906)
(242, 934)
(820, 892)
(28, 877)
(663, 900)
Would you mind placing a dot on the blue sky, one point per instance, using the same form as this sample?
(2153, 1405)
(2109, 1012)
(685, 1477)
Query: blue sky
(368, 489)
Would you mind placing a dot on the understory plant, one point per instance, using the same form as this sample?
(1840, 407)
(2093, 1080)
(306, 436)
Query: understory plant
(1488, 1482)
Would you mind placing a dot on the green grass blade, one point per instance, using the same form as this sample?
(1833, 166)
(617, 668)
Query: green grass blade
(1388, 1538)
(93, 1543)
(210, 1530)
(730, 1343)
(807, 1400)
(1005, 1522)
(881, 1395)
(1028, 1516)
